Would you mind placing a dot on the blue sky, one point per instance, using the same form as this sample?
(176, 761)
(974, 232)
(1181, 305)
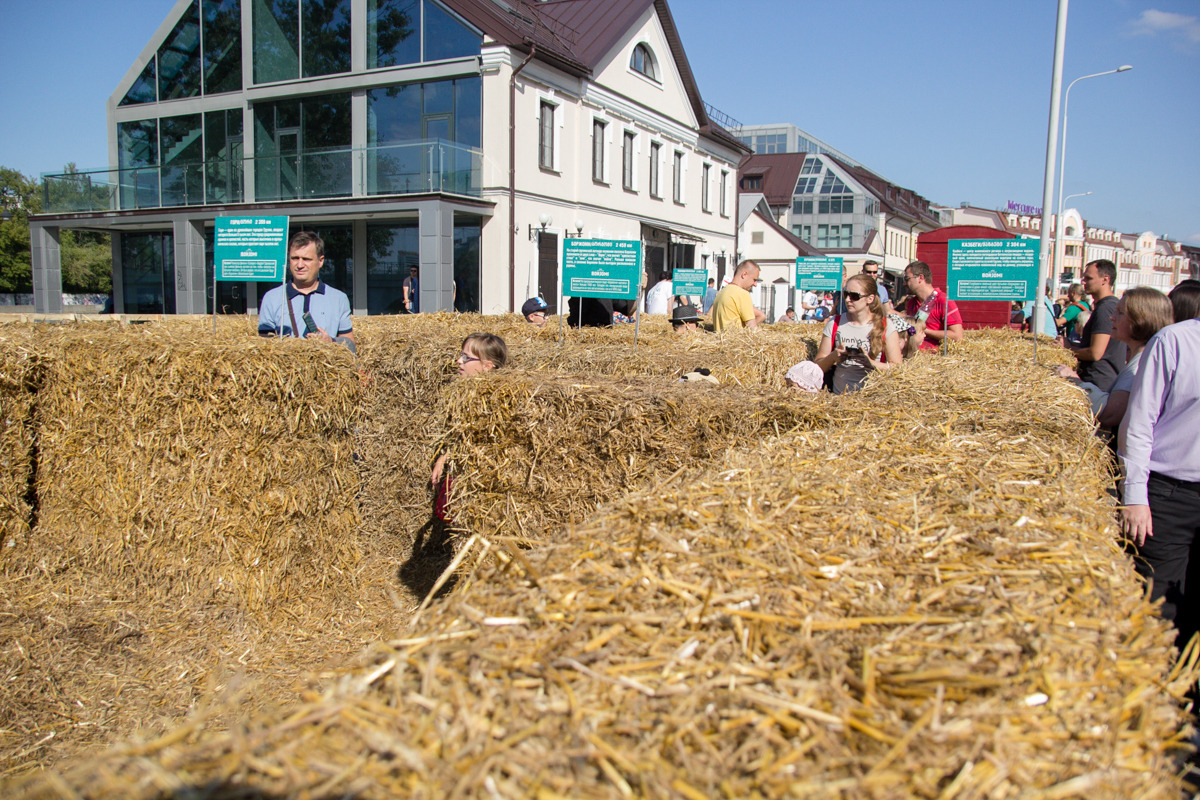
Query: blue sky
(949, 98)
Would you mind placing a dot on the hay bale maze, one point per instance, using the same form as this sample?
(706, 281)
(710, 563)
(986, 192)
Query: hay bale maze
(659, 590)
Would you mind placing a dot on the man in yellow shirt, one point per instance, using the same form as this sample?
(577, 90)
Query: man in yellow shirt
(733, 308)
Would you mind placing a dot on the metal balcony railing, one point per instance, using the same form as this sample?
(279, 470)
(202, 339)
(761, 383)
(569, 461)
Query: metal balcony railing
(433, 166)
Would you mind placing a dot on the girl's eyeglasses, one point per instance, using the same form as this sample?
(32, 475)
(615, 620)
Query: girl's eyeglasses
(463, 358)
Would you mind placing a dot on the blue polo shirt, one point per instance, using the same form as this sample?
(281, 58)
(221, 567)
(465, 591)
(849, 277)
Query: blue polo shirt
(329, 307)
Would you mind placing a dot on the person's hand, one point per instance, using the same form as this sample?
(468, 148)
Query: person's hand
(1137, 523)
(320, 334)
(1060, 340)
(437, 469)
(1063, 371)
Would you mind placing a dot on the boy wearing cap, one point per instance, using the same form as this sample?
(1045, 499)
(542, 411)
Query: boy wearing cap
(534, 311)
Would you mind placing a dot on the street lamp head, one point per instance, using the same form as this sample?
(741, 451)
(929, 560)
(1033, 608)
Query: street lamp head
(1124, 68)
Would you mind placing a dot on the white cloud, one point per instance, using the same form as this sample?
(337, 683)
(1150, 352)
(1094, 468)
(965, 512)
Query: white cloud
(1154, 22)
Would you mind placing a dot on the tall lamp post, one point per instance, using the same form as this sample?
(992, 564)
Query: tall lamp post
(1062, 165)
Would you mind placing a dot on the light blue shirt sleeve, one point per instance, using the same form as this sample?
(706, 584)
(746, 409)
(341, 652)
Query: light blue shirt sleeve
(884, 297)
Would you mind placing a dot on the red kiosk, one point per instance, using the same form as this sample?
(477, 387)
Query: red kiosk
(932, 248)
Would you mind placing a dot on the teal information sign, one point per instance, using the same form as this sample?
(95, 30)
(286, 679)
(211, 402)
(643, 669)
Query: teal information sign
(250, 248)
(819, 274)
(601, 268)
(687, 282)
(985, 269)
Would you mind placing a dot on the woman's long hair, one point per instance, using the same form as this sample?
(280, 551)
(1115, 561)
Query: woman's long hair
(878, 317)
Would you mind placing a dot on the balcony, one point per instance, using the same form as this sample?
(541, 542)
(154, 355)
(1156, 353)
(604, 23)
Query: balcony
(414, 168)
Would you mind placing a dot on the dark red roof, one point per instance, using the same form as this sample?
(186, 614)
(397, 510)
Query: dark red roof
(574, 35)
(779, 173)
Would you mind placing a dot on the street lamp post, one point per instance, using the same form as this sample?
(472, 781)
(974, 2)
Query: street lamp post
(1062, 165)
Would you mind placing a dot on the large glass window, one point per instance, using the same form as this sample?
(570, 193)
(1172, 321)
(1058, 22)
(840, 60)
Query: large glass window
(837, 204)
(402, 120)
(222, 45)
(223, 156)
(391, 250)
(466, 264)
(276, 40)
(137, 148)
(811, 166)
(181, 68)
(446, 36)
(179, 57)
(394, 33)
(143, 89)
(642, 61)
(302, 148)
(148, 272)
(181, 142)
(326, 34)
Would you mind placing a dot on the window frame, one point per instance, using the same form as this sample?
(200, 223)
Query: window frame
(549, 134)
(679, 186)
(705, 189)
(600, 139)
(656, 170)
(629, 148)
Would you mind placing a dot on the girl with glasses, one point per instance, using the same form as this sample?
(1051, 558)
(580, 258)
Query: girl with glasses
(480, 353)
(859, 341)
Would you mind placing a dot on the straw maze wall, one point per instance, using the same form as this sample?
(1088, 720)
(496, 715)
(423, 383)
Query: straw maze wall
(787, 594)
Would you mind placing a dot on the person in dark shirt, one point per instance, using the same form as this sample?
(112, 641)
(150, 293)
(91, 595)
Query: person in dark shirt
(1101, 355)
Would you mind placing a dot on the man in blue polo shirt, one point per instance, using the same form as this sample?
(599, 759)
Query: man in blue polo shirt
(306, 294)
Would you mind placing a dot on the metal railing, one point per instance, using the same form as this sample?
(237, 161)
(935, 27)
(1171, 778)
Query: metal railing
(431, 166)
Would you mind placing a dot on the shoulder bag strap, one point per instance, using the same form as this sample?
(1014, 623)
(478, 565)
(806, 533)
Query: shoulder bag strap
(287, 301)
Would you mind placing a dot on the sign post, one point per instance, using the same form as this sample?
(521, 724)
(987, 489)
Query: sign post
(605, 268)
(986, 269)
(249, 249)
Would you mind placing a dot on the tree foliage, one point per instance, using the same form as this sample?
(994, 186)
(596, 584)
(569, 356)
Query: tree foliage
(86, 255)
(19, 197)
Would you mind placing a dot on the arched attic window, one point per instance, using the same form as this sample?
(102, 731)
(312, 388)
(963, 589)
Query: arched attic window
(643, 61)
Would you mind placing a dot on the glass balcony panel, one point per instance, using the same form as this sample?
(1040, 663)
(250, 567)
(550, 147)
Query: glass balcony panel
(419, 167)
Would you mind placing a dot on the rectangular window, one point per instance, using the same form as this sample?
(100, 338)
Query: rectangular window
(546, 136)
(705, 179)
(678, 177)
(630, 140)
(598, 129)
(802, 207)
(655, 158)
(831, 236)
(724, 193)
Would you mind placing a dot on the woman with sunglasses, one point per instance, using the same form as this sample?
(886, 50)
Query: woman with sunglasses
(859, 341)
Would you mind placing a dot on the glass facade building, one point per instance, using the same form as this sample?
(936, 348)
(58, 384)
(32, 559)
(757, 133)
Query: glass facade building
(196, 128)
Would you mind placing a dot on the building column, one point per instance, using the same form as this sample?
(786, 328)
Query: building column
(47, 269)
(118, 275)
(436, 226)
(359, 302)
(190, 290)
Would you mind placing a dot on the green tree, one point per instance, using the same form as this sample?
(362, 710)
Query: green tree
(86, 255)
(19, 197)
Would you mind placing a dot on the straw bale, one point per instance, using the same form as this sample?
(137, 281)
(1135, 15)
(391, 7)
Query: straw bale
(160, 449)
(531, 451)
(20, 374)
(196, 519)
(923, 599)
